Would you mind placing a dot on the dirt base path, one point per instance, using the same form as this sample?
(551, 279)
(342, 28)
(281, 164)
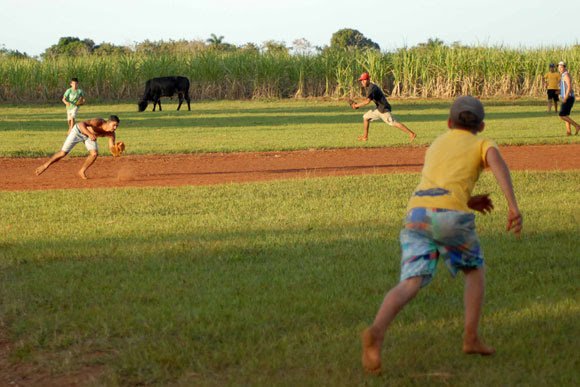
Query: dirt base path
(206, 169)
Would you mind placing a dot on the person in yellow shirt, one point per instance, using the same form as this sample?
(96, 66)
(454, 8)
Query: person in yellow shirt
(439, 223)
(552, 84)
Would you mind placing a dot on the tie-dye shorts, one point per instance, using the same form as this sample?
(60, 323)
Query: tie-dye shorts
(431, 232)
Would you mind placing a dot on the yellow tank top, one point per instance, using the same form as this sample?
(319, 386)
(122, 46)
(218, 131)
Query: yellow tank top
(452, 166)
(553, 80)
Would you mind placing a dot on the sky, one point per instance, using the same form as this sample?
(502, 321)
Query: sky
(32, 26)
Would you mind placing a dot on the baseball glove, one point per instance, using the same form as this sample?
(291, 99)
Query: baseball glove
(350, 102)
(118, 149)
(481, 203)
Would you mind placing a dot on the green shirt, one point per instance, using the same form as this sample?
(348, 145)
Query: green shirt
(73, 97)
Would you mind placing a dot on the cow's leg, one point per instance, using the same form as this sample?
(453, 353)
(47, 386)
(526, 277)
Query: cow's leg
(157, 100)
(187, 99)
(180, 96)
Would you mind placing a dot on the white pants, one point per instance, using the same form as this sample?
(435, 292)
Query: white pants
(74, 137)
(71, 114)
(375, 114)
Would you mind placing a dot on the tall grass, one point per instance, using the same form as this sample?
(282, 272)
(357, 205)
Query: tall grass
(439, 71)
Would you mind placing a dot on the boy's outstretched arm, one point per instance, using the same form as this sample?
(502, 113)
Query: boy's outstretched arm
(502, 175)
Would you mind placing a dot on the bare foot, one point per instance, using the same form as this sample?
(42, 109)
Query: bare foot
(477, 347)
(412, 136)
(371, 353)
(568, 133)
(40, 169)
(362, 138)
(83, 175)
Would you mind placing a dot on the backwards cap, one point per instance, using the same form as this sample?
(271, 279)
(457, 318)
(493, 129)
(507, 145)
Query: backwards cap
(469, 104)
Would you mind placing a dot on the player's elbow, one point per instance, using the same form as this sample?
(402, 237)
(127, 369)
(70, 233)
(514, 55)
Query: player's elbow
(493, 158)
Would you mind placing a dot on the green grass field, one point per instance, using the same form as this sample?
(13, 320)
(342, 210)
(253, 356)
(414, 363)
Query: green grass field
(230, 126)
(271, 283)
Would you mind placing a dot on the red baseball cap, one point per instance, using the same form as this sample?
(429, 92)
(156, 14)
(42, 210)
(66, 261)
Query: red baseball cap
(364, 76)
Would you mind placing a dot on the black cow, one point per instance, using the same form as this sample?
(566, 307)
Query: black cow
(165, 87)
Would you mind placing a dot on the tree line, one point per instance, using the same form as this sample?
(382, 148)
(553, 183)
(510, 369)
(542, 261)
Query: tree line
(74, 46)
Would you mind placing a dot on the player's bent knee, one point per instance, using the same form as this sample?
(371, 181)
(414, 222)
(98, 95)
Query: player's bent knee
(412, 285)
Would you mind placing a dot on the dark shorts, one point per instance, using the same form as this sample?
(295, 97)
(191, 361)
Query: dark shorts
(566, 107)
(553, 94)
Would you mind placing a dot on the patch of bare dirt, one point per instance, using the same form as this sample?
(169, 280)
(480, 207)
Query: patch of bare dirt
(17, 174)
(29, 374)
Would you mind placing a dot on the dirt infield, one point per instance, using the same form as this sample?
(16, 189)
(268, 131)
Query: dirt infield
(17, 174)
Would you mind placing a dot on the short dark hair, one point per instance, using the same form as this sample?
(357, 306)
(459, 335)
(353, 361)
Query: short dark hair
(114, 118)
(74, 79)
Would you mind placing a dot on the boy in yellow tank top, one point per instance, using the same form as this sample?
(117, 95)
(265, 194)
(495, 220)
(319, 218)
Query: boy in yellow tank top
(439, 223)
(552, 84)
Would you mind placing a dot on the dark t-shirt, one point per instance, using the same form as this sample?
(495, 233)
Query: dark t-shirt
(375, 94)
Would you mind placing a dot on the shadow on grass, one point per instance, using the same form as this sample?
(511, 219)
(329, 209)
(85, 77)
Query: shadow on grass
(252, 117)
(171, 176)
(295, 298)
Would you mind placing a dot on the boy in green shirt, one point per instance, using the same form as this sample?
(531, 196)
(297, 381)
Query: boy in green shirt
(73, 98)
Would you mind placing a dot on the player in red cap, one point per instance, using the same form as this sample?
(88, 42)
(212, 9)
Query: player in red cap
(382, 111)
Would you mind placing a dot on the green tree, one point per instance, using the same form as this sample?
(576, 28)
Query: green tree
(148, 47)
(4, 52)
(70, 46)
(272, 46)
(215, 40)
(348, 39)
(110, 49)
(431, 43)
(250, 47)
(217, 43)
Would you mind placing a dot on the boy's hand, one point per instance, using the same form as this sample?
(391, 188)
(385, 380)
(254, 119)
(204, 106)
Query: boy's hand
(91, 134)
(481, 203)
(515, 222)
